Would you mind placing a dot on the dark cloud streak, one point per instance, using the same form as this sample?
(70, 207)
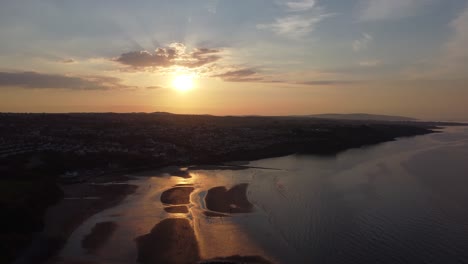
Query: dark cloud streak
(154, 87)
(35, 80)
(250, 75)
(242, 75)
(326, 82)
(68, 61)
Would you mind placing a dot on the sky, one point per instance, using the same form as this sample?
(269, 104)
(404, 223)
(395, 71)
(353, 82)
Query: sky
(225, 57)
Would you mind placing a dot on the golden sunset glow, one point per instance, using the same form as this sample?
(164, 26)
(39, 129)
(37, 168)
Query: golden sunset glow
(292, 59)
(183, 82)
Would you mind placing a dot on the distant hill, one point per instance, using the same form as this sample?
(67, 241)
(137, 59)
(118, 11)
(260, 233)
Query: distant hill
(353, 116)
(360, 116)
(162, 113)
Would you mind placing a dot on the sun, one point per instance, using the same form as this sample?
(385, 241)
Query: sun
(183, 82)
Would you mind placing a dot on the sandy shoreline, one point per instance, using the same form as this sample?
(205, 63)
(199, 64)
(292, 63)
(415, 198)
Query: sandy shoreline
(83, 200)
(182, 209)
(173, 240)
(170, 241)
(177, 196)
(231, 201)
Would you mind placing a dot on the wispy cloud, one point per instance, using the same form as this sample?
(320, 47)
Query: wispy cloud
(372, 10)
(243, 74)
(240, 75)
(452, 60)
(293, 26)
(256, 76)
(363, 42)
(68, 61)
(154, 87)
(456, 47)
(35, 80)
(298, 6)
(326, 82)
(370, 63)
(298, 25)
(212, 6)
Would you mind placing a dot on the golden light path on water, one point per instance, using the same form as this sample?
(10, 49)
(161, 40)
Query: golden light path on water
(218, 236)
(140, 212)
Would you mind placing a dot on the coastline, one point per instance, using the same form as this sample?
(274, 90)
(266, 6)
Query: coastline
(238, 160)
(62, 219)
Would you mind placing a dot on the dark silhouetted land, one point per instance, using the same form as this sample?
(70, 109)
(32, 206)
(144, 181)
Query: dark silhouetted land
(46, 157)
(361, 116)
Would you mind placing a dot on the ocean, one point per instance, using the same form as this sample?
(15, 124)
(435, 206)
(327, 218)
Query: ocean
(404, 201)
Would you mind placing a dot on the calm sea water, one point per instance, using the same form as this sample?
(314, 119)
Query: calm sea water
(398, 202)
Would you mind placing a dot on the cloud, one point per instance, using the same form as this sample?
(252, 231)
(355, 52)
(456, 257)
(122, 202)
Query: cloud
(175, 54)
(326, 82)
(300, 25)
(299, 6)
(200, 57)
(234, 74)
(212, 6)
(241, 75)
(252, 75)
(293, 26)
(68, 61)
(363, 42)
(456, 47)
(34, 80)
(199, 61)
(452, 60)
(154, 87)
(372, 10)
(370, 63)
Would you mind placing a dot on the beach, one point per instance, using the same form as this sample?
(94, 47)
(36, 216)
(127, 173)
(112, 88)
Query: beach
(180, 207)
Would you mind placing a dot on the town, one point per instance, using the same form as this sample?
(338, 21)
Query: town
(82, 145)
